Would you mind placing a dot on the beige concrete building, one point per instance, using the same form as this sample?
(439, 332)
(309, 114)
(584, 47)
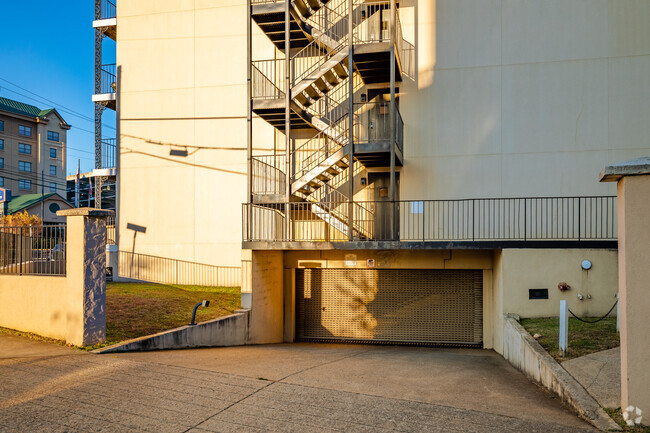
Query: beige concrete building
(32, 148)
(479, 128)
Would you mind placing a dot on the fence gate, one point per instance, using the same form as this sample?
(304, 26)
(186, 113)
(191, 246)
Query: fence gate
(390, 305)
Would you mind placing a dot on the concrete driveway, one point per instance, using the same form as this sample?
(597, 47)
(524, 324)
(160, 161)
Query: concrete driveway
(297, 387)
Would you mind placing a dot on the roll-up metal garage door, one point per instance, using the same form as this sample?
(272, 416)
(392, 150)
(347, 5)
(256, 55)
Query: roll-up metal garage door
(390, 305)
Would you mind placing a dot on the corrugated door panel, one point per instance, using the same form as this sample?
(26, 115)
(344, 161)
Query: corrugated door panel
(402, 305)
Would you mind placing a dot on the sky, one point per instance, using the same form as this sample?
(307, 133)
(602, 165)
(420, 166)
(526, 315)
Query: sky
(47, 48)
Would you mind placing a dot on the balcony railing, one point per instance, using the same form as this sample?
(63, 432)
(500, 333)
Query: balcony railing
(108, 153)
(107, 10)
(470, 220)
(108, 81)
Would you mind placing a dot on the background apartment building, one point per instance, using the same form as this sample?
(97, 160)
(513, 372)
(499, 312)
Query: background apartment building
(478, 130)
(32, 149)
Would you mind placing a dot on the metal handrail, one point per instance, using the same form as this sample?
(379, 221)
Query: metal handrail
(268, 174)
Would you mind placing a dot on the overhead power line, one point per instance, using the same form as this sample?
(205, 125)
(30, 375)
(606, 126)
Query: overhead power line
(57, 106)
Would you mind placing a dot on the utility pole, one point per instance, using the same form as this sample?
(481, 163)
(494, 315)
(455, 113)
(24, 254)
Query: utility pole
(42, 194)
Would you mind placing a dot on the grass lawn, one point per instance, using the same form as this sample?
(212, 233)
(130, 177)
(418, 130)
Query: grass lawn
(137, 309)
(584, 338)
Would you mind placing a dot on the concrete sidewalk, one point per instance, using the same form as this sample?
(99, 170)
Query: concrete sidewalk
(600, 374)
(296, 387)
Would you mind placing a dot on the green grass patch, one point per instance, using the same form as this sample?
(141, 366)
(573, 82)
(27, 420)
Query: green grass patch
(584, 338)
(616, 415)
(138, 309)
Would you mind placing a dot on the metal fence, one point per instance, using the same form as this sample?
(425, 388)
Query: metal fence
(108, 79)
(155, 269)
(33, 250)
(110, 230)
(499, 219)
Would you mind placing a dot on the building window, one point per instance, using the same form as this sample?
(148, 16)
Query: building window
(2, 125)
(54, 207)
(2, 163)
(53, 170)
(24, 184)
(2, 144)
(25, 148)
(25, 130)
(52, 152)
(52, 189)
(53, 136)
(2, 181)
(24, 166)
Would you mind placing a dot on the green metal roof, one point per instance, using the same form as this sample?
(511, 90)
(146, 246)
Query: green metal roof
(24, 201)
(23, 109)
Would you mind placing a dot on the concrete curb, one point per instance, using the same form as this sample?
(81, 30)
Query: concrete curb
(528, 356)
(224, 331)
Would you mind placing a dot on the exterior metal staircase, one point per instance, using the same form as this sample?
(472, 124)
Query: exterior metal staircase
(319, 101)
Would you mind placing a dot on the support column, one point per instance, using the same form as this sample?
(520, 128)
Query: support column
(633, 190)
(85, 268)
(393, 117)
(249, 120)
(351, 120)
(287, 118)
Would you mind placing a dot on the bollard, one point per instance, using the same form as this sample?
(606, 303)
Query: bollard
(564, 328)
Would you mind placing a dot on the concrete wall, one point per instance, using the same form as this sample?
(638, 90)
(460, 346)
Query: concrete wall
(267, 301)
(532, 269)
(183, 87)
(231, 330)
(518, 270)
(70, 307)
(526, 354)
(34, 304)
(523, 98)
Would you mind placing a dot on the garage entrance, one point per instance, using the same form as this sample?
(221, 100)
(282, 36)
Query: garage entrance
(423, 306)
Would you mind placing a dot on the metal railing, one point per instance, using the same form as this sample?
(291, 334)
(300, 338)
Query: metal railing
(108, 79)
(107, 10)
(468, 220)
(155, 269)
(372, 123)
(108, 153)
(320, 147)
(110, 230)
(33, 250)
(268, 174)
(268, 79)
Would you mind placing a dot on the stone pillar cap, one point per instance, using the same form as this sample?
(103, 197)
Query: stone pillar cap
(633, 167)
(85, 211)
